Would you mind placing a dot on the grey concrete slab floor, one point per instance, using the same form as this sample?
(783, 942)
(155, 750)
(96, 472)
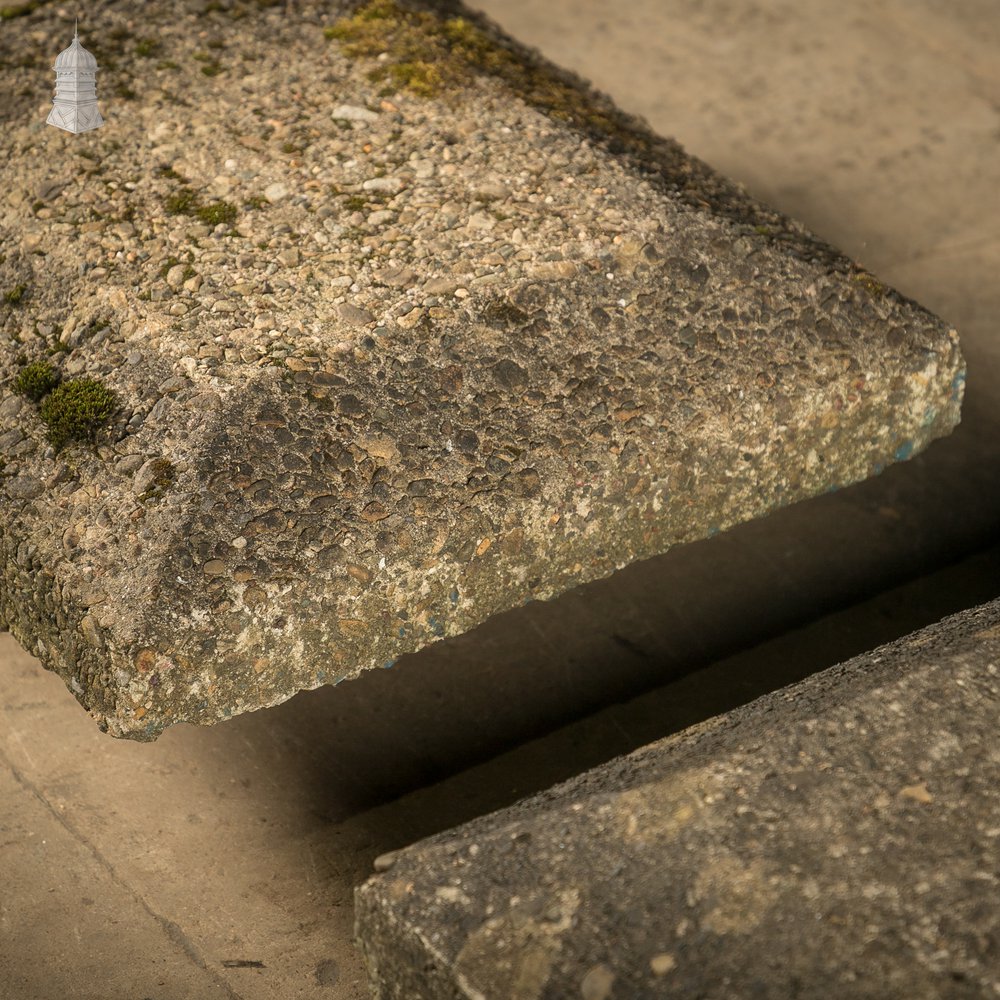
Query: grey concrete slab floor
(879, 127)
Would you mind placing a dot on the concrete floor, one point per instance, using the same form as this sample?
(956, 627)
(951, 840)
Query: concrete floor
(131, 871)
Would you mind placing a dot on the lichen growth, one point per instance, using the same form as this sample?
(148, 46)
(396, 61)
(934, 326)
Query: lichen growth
(165, 170)
(500, 313)
(36, 380)
(163, 475)
(869, 283)
(76, 410)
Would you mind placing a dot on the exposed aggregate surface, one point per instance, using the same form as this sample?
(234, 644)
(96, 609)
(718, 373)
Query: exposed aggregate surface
(388, 363)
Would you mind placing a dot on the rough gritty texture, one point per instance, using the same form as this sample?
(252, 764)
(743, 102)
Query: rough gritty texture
(423, 376)
(838, 838)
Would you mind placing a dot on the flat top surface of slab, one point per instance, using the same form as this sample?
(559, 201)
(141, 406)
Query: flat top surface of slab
(836, 838)
(382, 370)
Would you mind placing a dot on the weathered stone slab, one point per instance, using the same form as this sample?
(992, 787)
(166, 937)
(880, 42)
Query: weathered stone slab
(837, 838)
(435, 334)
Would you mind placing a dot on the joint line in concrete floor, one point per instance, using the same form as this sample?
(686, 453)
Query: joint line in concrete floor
(169, 928)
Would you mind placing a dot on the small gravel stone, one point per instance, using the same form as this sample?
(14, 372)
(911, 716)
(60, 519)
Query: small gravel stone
(352, 113)
(354, 315)
(25, 488)
(275, 192)
(491, 191)
(386, 185)
(175, 276)
(442, 286)
(597, 983)
(396, 277)
(385, 861)
(661, 964)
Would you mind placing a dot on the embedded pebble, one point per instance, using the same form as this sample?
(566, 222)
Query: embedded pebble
(354, 315)
(275, 192)
(353, 113)
(389, 185)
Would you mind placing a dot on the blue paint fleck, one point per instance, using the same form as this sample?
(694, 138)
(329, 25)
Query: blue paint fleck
(904, 451)
(877, 468)
(713, 531)
(402, 631)
(388, 664)
(436, 626)
(453, 596)
(957, 384)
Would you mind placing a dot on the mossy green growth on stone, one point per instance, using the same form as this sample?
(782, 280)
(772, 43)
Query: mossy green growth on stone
(417, 43)
(185, 202)
(431, 56)
(18, 9)
(147, 47)
(216, 212)
(182, 203)
(869, 283)
(14, 295)
(36, 380)
(75, 410)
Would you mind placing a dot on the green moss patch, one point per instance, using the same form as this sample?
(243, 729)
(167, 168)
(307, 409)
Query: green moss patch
(182, 202)
(76, 410)
(417, 43)
(14, 295)
(36, 380)
(430, 55)
(145, 47)
(186, 202)
(216, 212)
(18, 10)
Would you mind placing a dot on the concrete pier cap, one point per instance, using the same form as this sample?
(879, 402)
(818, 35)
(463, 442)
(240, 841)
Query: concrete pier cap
(526, 343)
(837, 838)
